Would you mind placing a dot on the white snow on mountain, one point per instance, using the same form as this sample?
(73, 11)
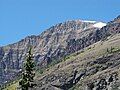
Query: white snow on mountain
(96, 24)
(88, 21)
(99, 24)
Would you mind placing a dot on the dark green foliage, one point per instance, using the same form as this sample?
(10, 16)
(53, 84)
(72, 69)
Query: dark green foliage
(107, 50)
(28, 73)
(112, 49)
(89, 48)
(54, 62)
(40, 71)
(66, 57)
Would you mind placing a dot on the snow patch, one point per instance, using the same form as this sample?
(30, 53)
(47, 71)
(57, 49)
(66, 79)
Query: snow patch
(89, 21)
(99, 25)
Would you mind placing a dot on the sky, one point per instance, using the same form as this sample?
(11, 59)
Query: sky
(21, 18)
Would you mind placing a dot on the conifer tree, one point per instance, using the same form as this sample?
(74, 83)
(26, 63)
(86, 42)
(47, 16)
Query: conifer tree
(28, 73)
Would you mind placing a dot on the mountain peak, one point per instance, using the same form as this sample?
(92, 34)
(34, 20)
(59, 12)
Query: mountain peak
(117, 20)
(118, 17)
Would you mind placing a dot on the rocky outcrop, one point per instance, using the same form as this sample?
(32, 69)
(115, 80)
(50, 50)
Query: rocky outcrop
(109, 82)
(75, 78)
(60, 81)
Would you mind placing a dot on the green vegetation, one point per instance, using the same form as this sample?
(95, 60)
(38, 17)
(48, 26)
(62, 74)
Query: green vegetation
(89, 48)
(113, 50)
(54, 62)
(40, 71)
(28, 74)
(12, 86)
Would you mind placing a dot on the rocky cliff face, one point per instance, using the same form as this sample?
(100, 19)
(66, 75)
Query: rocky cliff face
(54, 43)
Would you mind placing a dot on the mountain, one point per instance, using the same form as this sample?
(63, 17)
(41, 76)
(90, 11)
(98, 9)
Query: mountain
(96, 67)
(54, 43)
(57, 43)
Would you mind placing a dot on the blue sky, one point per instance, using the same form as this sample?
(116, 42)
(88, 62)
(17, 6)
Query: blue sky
(20, 18)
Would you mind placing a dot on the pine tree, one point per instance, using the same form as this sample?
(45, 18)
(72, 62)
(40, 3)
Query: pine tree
(28, 73)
